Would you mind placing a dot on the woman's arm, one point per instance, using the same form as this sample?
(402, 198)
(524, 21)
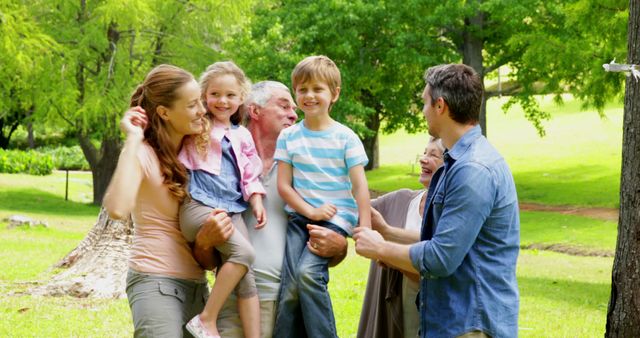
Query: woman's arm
(120, 197)
(391, 233)
(214, 231)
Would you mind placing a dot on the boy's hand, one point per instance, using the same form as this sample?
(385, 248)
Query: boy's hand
(323, 213)
(259, 211)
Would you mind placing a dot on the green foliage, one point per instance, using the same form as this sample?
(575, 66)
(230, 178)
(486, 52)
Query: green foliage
(29, 162)
(66, 158)
(376, 45)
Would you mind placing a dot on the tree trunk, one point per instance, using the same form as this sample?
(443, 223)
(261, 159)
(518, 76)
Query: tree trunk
(97, 267)
(472, 46)
(103, 164)
(371, 144)
(623, 315)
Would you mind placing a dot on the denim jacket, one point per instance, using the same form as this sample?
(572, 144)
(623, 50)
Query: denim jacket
(469, 244)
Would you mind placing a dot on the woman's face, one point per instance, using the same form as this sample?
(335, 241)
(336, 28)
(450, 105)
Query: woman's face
(185, 115)
(430, 161)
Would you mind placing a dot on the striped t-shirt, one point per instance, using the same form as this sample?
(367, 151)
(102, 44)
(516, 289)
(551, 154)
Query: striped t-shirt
(321, 161)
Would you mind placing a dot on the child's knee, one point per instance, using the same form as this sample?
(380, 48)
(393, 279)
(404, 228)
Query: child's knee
(246, 256)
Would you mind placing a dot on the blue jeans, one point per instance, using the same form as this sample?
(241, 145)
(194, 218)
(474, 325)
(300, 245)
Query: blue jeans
(304, 306)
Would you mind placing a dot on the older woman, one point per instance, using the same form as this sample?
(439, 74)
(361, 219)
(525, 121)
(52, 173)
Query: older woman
(389, 308)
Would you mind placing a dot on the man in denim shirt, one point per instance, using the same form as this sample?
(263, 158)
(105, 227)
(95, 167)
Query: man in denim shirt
(471, 229)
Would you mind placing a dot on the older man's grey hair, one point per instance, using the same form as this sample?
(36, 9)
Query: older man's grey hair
(262, 91)
(260, 94)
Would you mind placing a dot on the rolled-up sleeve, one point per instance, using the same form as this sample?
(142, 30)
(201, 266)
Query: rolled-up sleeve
(466, 203)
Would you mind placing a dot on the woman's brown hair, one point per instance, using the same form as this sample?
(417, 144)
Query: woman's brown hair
(160, 88)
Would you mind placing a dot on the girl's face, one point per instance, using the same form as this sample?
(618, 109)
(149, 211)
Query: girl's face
(430, 161)
(184, 117)
(223, 97)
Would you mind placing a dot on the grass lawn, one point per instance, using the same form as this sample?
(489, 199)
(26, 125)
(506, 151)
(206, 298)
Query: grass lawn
(577, 163)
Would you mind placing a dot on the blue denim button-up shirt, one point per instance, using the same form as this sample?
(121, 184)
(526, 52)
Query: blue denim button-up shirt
(470, 243)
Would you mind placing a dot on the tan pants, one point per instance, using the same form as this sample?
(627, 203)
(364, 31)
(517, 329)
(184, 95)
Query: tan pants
(237, 249)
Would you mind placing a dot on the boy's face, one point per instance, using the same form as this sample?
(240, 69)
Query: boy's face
(315, 98)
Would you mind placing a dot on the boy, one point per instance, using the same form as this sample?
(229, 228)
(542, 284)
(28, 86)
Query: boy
(321, 178)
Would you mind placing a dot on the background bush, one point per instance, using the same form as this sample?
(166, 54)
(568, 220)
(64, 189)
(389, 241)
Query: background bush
(66, 158)
(28, 162)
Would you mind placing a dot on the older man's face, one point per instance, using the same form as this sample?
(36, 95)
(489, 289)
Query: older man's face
(279, 112)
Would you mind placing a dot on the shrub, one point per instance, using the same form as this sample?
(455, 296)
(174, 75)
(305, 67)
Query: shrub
(66, 158)
(28, 162)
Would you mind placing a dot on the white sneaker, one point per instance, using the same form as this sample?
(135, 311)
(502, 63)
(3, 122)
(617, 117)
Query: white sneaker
(197, 328)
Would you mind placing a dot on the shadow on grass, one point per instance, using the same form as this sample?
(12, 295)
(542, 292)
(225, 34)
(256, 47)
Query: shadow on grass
(37, 201)
(580, 294)
(582, 185)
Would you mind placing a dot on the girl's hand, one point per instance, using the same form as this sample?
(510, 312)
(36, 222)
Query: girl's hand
(261, 216)
(258, 210)
(134, 122)
(323, 213)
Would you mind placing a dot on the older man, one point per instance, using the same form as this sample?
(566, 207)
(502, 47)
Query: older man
(270, 109)
(471, 229)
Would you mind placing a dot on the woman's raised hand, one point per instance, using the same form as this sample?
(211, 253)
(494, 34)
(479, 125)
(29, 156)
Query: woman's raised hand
(134, 122)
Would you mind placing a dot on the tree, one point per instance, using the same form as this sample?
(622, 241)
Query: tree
(550, 47)
(108, 47)
(25, 53)
(623, 315)
(376, 45)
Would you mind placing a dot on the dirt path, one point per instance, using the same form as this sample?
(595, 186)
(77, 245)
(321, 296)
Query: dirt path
(607, 214)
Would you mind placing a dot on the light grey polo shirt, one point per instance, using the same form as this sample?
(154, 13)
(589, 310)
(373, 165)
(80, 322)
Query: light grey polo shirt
(268, 242)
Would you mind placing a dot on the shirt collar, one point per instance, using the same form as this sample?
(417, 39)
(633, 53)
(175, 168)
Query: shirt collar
(460, 147)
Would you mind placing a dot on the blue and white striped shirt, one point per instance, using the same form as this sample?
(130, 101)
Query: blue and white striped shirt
(321, 161)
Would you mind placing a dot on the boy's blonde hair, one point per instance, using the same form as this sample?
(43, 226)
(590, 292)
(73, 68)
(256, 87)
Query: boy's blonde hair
(213, 71)
(318, 68)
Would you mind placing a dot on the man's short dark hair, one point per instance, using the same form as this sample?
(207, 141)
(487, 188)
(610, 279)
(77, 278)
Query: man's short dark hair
(460, 87)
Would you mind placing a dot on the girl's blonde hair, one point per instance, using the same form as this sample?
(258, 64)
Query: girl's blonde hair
(213, 71)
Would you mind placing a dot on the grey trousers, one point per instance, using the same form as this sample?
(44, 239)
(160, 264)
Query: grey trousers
(237, 249)
(161, 306)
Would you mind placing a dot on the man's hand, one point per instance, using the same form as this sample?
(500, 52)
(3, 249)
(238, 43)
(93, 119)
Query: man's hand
(368, 242)
(325, 242)
(215, 230)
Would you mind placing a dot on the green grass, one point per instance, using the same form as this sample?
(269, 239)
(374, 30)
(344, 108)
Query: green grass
(577, 162)
(562, 295)
(568, 230)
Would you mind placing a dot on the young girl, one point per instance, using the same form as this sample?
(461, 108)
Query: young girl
(223, 174)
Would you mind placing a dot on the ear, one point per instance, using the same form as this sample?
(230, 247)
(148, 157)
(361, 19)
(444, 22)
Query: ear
(163, 112)
(335, 97)
(441, 105)
(254, 112)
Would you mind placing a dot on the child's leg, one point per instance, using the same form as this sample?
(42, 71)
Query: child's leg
(289, 321)
(312, 276)
(192, 214)
(237, 255)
